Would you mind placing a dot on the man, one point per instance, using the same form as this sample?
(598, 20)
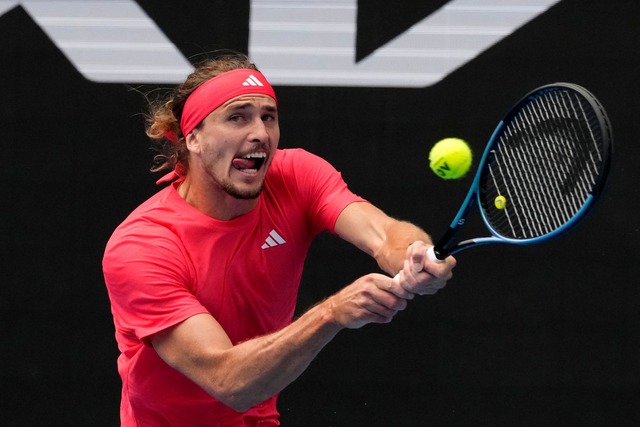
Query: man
(203, 276)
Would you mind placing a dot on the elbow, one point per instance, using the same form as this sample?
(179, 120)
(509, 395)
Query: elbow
(238, 400)
(239, 406)
(222, 378)
(236, 392)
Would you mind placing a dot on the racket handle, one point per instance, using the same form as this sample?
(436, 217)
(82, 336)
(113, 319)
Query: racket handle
(431, 255)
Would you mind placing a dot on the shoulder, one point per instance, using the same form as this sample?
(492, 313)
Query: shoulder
(292, 156)
(299, 164)
(147, 228)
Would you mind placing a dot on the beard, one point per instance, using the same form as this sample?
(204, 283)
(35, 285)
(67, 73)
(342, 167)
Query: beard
(224, 181)
(237, 193)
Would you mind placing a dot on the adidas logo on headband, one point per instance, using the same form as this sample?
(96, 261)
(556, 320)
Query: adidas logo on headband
(252, 81)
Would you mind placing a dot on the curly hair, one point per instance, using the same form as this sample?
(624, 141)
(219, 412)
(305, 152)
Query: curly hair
(163, 119)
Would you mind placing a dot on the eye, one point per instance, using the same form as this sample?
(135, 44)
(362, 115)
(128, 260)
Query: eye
(269, 117)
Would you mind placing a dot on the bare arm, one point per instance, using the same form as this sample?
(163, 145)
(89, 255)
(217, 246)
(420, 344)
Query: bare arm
(397, 246)
(246, 374)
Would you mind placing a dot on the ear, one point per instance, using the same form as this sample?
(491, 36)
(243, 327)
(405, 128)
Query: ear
(192, 141)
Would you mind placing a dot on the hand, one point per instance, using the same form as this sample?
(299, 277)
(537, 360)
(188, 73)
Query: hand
(421, 276)
(374, 298)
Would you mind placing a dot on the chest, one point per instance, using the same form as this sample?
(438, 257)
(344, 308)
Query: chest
(248, 275)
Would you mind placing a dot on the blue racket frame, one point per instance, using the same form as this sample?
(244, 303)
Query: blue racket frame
(473, 196)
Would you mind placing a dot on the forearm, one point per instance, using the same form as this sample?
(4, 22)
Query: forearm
(381, 236)
(250, 372)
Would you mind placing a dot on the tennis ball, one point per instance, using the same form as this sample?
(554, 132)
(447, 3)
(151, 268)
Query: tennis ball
(450, 158)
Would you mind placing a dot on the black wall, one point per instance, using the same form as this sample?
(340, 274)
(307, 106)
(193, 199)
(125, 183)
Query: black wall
(544, 335)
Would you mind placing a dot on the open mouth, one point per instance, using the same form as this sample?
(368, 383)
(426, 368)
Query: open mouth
(250, 163)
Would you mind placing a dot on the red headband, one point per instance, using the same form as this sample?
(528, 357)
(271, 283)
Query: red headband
(220, 89)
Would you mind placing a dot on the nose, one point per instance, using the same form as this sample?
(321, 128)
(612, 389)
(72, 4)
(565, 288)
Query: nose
(258, 131)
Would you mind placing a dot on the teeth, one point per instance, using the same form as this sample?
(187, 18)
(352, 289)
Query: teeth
(256, 156)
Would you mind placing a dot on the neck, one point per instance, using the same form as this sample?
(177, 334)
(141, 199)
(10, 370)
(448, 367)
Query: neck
(214, 202)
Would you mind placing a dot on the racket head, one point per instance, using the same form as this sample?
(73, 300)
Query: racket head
(545, 165)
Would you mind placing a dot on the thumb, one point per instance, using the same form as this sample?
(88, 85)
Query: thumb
(417, 262)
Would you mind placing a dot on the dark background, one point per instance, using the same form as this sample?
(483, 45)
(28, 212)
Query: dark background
(543, 335)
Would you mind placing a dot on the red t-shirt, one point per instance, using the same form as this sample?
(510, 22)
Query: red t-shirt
(168, 261)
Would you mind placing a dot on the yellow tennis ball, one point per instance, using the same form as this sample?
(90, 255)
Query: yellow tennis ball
(450, 158)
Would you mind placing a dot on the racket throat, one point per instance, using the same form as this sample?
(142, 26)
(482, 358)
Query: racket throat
(439, 249)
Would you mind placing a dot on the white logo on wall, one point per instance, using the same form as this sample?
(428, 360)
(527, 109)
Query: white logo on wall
(295, 43)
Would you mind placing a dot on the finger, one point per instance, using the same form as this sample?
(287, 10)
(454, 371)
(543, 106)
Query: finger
(423, 282)
(374, 312)
(395, 287)
(387, 301)
(442, 268)
(418, 260)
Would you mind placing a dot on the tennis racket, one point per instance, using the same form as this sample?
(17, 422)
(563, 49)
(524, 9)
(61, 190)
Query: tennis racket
(542, 170)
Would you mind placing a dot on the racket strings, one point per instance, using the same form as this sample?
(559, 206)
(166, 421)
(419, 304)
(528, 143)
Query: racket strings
(545, 163)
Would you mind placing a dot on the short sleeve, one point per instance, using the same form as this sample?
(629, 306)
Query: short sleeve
(321, 186)
(148, 277)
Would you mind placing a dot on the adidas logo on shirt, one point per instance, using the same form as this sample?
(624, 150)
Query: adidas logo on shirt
(252, 81)
(274, 239)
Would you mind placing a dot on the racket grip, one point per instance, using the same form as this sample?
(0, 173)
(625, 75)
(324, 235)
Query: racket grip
(431, 255)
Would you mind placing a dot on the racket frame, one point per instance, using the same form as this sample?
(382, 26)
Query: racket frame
(440, 249)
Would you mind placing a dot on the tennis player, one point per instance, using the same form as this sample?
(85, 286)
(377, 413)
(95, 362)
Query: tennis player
(203, 277)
